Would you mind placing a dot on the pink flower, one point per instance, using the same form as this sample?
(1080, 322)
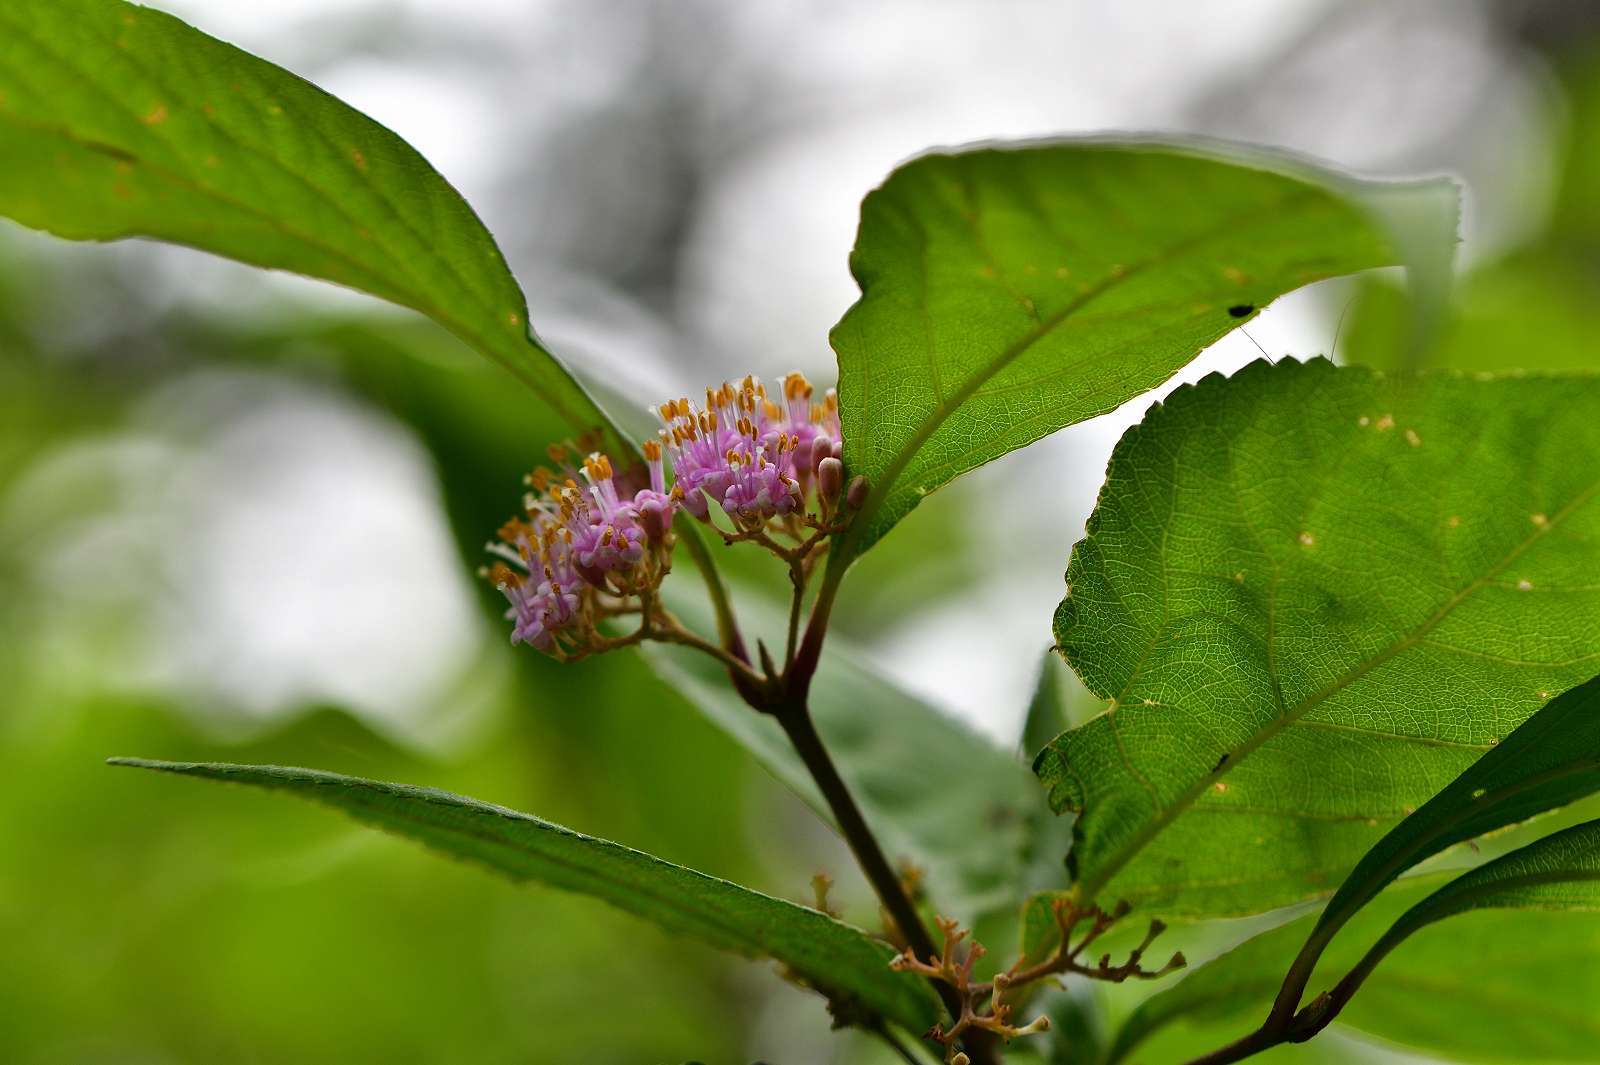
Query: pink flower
(753, 456)
(588, 552)
(544, 589)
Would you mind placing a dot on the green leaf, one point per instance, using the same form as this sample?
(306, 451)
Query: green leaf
(1007, 293)
(1047, 838)
(1510, 986)
(1047, 714)
(1314, 597)
(1550, 760)
(938, 794)
(1559, 872)
(120, 121)
(834, 957)
(1477, 989)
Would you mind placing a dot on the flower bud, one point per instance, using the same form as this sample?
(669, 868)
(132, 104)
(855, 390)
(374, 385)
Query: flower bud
(653, 520)
(857, 495)
(830, 480)
(821, 448)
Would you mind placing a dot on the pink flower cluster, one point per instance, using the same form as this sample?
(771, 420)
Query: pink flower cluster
(755, 458)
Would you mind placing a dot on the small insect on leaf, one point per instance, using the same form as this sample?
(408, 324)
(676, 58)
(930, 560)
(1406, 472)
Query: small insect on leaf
(1240, 310)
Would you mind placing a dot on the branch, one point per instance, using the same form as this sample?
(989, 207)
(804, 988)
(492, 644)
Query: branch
(668, 629)
(952, 969)
(727, 624)
(1317, 1014)
(1065, 959)
(796, 722)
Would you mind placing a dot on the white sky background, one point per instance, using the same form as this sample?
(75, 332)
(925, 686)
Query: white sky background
(489, 90)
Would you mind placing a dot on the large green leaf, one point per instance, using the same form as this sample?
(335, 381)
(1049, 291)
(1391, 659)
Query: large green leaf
(834, 957)
(1314, 596)
(1480, 988)
(120, 121)
(939, 795)
(1007, 293)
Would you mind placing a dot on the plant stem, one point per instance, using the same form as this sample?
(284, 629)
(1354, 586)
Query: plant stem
(863, 844)
(803, 666)
(671, 630)
(727, 626)
(1239, 1049)
(1297, 1027)
(793, 711)
(797, 725)
(797, 578)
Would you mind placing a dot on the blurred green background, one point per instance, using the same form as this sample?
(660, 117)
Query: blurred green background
(239, 516)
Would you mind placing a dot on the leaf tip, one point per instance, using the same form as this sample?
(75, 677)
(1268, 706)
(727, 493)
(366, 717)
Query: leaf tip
(142, 763)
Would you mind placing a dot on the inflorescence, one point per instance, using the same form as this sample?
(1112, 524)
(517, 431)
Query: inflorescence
(985, 1006)
(594, 544)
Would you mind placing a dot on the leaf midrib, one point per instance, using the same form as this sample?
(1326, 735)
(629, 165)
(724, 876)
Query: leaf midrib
(1087, 889)
(944, 408)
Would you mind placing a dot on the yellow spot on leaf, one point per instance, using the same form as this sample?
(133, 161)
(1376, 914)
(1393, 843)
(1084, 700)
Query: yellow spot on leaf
(1539, 519)
(156, 115)
(1412, 438)
(1385, 423)
(359, 159)
(1524, 585)
(1234, 274)
(1307, 539)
